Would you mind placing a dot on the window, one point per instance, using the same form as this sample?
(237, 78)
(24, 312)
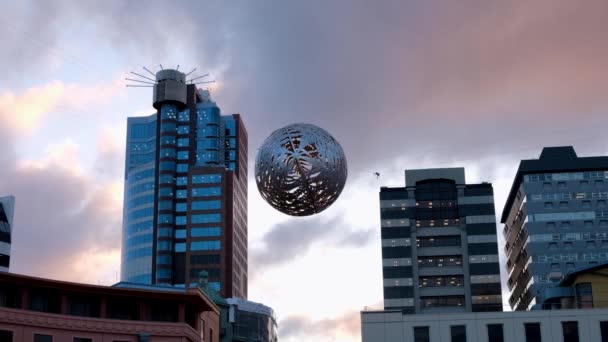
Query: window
(431, 302)
(495, 333)
(439, 241)
(440, 261)
(181, 207)
(202, 232)
(180, 247)
(180, 233)
(6, 335)
(183, 142)
(206, 218)
(206, 205)
(182, 181)
(563, 204)
(548, 205)
(441, 281)
(213, 191)
(205, 245)
(570, 331)
(421, 334)
(206, 179)
(459, 333)
(82, 339)
(183, 129)
(43, 338)
(604, 330)
(180, 220)
(181, 193)
(584, 295)
(182, 167)
(532, 332)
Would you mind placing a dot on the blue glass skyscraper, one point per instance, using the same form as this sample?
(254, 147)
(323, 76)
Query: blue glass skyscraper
(185, 205)
(7, 206)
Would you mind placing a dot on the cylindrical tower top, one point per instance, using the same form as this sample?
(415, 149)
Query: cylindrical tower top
(170, 87)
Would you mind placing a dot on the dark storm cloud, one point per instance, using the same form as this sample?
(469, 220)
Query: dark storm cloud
(288, 240)
(419, 79)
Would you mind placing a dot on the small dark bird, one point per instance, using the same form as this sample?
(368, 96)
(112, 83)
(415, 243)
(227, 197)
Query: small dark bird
(377, 174)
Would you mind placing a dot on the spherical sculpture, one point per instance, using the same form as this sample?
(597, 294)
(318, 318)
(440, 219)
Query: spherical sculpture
(300, 169)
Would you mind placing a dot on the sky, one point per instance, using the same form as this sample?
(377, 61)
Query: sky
(401, 84)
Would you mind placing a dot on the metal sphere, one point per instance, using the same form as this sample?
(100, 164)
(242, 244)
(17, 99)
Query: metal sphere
(300, 170)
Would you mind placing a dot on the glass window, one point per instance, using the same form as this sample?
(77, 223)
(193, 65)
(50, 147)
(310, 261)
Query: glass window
(82, 339)
(206, 218)
(183, 129)
(183, 142)
(182, 181)
(180, 233)
(182, 167)
(215, 285)
(165, 232)
(183, 155)
(441, 281)
(167, 166)
(584, 295)
(164, 246)
(206, 205)
(440, 261)
(181, 207)
(205, 245)
(438, 241)
(184, 116)
(459, 333)
(180, 220)
(165, 192)
(532, 332)
(166, 179)
(163, 259)
(163, 273)
(200, 192)
(167, 152)
(604, 330)
(421, 334)
(202, 232)
(495, 333)
(165, 218)
(181, 193)
(180, 247)
(570, 331)
(167, 127)
(440, 301)
(43, 338)
(206, 179)
(165, 205)
(6, 335)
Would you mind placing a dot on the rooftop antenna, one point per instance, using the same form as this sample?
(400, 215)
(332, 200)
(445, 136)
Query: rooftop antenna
(196, 78)
(177, 67)
(151, 73)
(193, 70)
(161, 67)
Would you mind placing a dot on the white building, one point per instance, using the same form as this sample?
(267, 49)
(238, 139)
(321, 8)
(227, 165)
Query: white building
(581, 325)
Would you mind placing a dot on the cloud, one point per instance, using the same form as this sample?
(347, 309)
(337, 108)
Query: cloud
(331, 329)
(290, 239)
(62, 216)
(24, 112)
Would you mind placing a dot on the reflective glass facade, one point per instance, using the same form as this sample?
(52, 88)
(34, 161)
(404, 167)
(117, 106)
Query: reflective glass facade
(138, 210)
(7, 206)
(186, 196)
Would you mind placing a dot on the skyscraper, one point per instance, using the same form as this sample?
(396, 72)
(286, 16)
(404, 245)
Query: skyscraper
(439, 246)
(7, 206)
(555, 221)
(185, 204)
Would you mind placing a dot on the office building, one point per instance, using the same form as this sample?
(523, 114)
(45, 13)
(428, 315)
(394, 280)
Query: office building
(251, 321)
(44, 310)
(7, 206)
(555, 221)
(580, 325)
(185, 202)
(439, 247)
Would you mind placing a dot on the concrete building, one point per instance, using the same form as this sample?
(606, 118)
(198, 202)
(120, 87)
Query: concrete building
(185, 202)
(582, 325)
(555, 221)
(439, 246)
(44, 310)
(7, 207)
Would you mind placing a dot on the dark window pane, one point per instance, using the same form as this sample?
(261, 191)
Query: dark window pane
(43, 338)
(495, 333)
(82, 339)
(421, 334)
(459, 333)
(604, 330)
(584, 295)
(532, 332)
(570, 331)
(6, 336)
